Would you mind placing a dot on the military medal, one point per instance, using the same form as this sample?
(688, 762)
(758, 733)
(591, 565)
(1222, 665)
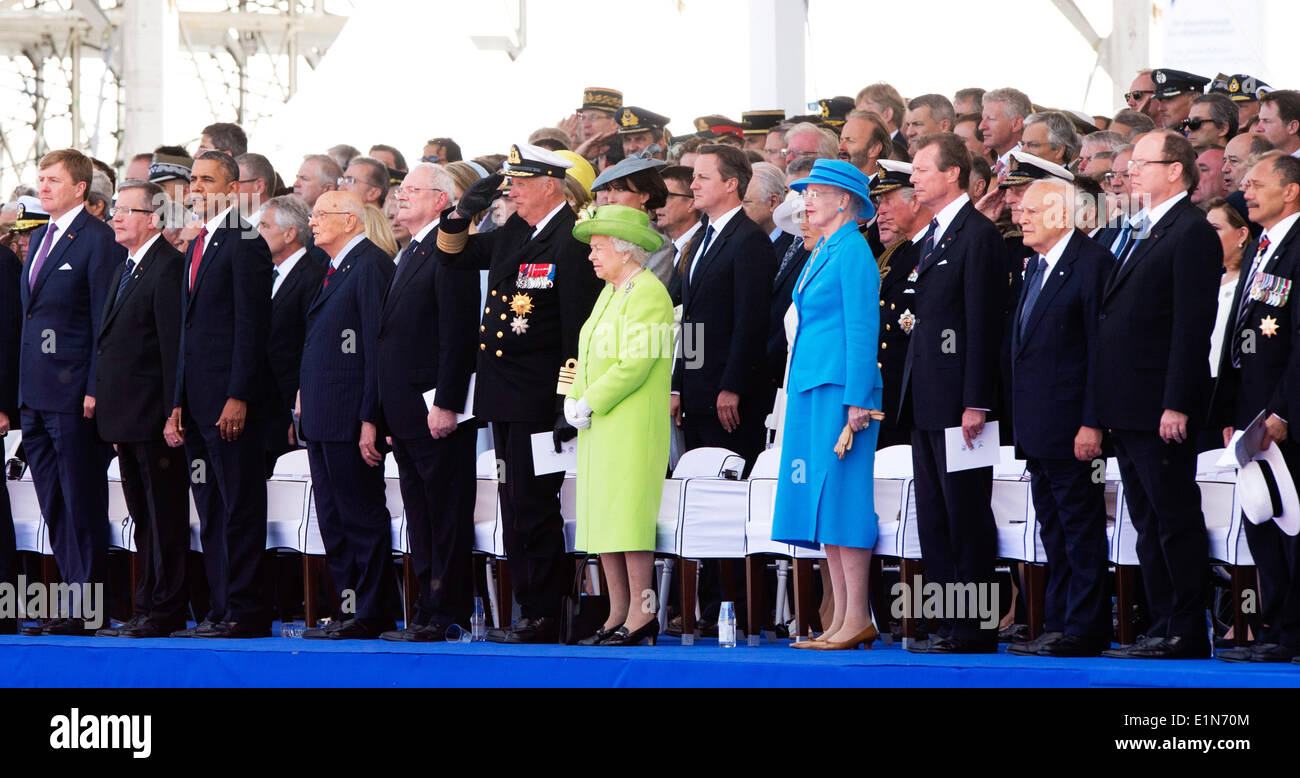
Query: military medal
(906, 322)
(911, 277)
(535, 276)
(1268, 326)
(519, 325)
(521, 304)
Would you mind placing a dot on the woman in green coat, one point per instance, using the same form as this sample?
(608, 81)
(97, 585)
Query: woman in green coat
(618, 402)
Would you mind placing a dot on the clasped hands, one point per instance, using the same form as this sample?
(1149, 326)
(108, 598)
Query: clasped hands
(577, 413)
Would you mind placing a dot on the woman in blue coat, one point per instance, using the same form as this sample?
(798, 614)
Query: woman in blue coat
(825, 492)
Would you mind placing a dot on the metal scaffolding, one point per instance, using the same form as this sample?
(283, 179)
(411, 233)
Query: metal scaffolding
(92, 74)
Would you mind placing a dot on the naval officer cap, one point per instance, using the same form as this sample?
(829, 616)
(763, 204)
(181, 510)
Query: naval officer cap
(1025, 168)
(1172, 83)
(633, 119)
(528, 161)
(1240, 88)
(893, 176)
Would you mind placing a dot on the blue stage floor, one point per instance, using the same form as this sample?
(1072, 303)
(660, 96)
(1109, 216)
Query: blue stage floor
(113, 662)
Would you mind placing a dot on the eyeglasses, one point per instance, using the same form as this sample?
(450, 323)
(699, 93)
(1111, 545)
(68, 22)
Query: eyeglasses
(795, 153)
(432, 160)
(687, 196)
(408, 190)
(124, 210)
(352, 180)
(1136, 165)
(1114, 178)
(1138, 94)
(1195, 124)
(316, 215)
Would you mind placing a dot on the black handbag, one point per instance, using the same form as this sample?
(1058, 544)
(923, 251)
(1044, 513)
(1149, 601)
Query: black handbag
(581, 614)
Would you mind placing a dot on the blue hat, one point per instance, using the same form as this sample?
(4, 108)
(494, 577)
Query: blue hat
(838, 173)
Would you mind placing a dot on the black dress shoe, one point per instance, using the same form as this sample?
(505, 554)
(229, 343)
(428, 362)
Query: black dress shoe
(39, 628)
(1260, 652)
(147, 629)
(323, 633)
(1126, 652)
(416, 633)
(1016, 633)
(361, 629)
(112, 632)
(69, 628)
(1230, 643)
(198, 630)
(1173, 648)
(956, 646)
(623, 637)
(1072, 646)
(238, 630)
(602, 634)
(541, 630)
(1032, 647)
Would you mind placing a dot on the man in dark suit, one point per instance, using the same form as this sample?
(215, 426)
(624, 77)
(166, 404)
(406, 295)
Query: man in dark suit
(540, 291)
(65, 283)
(950, 379)
(1259, 350)
(426, 342)
(11, 328)
(134, 388)
(294, 284)
(339, 407)
(679, 220)
(790, 264)
(1150, 387)
(220, 414)
(903, 220)
(1053, 356)
(723, 395)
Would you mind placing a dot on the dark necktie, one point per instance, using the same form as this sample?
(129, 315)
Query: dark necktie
(126, 276)
(1125, 235)
(1128, 244)
(328, 273)
(704, 248)
(927, 245)
(1256, 265)
(1036, 283)
(790, 252)
(404, 259)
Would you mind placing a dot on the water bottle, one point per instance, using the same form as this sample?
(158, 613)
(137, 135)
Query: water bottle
(727, 625)
(478, 622)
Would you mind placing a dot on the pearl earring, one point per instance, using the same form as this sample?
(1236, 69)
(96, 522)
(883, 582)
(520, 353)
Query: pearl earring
(1241, 245)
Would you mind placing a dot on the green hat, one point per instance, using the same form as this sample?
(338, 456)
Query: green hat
(618, 221)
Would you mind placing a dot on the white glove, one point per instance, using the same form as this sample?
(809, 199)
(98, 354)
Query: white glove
(577, 413)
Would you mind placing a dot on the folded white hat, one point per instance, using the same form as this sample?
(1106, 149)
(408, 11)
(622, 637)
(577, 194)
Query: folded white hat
(1266, 491)
(788, 213)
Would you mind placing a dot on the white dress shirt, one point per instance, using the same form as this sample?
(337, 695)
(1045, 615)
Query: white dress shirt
(285, 268)
(335, 262)
(718, 224)
(541, 225)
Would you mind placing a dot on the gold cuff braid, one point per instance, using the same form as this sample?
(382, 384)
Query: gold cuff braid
(452, 242)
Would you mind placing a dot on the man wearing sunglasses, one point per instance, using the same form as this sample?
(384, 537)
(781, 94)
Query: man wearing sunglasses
(1139, 95)
(1211, 122)
(1174, 92)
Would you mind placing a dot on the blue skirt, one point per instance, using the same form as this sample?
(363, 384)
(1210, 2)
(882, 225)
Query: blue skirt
(821, 498)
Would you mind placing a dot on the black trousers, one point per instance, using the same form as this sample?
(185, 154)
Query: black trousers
(1071, 511)
(1172, 544)
(67, 462)
(229, 488)
(355, 526)
(954, 523)
(155, 483)
(277, 439)
(438, 490)
(533, 530)
(1277, 557)
(748, 440)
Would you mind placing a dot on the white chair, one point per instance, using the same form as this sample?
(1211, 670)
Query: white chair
(705, 463)
(761, 498)
(569, 512)
(1225, 526)
(291, 521)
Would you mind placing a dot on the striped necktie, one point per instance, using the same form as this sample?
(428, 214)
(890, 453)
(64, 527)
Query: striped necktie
(1243, 307)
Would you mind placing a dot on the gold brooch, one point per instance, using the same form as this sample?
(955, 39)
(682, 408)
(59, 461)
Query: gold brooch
(521, 304)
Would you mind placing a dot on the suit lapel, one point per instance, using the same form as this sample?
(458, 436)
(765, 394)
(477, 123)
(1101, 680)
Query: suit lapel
(1267, 267)
(1055, 281)
(141, 268)
(1145, 245)
(712, 250)
(339, 278)
(407, 268)
(949, 235)
(219, 237)
(61, 243)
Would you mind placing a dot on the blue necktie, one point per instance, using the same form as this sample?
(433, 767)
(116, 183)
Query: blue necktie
(126, 276)
(1125, 234)
(1036, 283)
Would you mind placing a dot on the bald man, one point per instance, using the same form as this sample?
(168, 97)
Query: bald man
(339, 409)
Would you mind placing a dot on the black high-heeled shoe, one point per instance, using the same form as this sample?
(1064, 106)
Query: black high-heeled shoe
(622, 637)
(595, 640)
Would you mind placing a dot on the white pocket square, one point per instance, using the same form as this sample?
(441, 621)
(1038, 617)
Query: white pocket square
(942, 262)
(66, 266)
